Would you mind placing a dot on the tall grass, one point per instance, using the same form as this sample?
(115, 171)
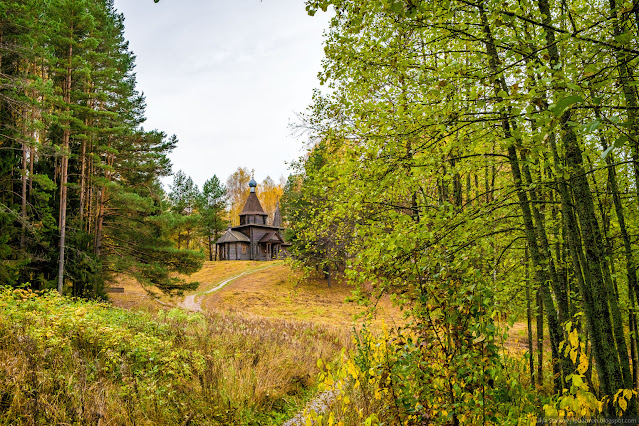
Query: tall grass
(66, 361)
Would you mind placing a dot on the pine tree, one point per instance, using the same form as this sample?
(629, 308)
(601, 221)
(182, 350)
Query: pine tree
(211, 205)
(74, 155)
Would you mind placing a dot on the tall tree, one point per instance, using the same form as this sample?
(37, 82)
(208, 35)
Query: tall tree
(73, 153)
(212, 206)
(426, 100)
(236, 189)
(184, 200)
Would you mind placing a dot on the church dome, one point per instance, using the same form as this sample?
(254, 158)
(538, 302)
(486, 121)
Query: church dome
(252, 183)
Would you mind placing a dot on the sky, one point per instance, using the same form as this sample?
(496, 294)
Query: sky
(226, 77)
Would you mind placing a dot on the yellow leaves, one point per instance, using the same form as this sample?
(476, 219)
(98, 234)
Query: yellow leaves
(550, 411)
(328, 381)
(573, 338)
(622, 398)
(574, 349)
(583, 365)
(623, 404)
(351, 369)
(573, 356)
(23, 294)
(331, 419)
(577, 401)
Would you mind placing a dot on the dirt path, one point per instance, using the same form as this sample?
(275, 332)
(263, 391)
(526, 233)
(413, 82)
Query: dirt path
(319, 405)
(193, 302)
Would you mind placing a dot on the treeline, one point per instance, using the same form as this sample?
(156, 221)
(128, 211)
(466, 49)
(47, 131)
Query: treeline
(80, 197)
(476, 158)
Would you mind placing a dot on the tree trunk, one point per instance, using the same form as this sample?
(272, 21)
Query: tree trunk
(99, 227)
(529, 321)
(83, 169)
(541, 276)
(612, 365)
(64, 172)
(626, 79)
(540, 339)
(23, 212)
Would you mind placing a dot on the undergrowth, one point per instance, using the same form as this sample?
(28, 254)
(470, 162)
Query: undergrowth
(71, 361)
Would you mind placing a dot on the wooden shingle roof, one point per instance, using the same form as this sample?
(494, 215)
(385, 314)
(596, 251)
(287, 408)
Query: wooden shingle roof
(271, 237)
(252, 206)
(231, 236)
(277, 217)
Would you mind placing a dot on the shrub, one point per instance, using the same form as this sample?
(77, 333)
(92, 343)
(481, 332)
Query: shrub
(75, 361)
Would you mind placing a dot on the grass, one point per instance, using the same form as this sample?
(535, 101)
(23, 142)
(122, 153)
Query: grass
(250, 358)
(151, 299)
(77, 362)
(278, 292)
(281, 312)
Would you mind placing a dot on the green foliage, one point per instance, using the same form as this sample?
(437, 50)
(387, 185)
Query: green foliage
(79, 362)
(138, 363)
(396, 378)
(459, 149)
(305, 200)
(70, 112)
(211, 205)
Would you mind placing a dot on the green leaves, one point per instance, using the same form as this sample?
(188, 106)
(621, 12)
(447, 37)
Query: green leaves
(566, 102)
(592, 126)
(618, 143)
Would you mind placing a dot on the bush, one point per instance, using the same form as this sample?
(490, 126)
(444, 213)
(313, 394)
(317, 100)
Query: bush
(75, 361)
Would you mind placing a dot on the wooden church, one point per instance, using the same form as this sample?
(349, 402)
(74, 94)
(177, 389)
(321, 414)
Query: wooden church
(254, 238)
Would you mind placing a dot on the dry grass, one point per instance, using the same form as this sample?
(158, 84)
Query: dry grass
(78, 362)
(277, 292)
(135, 296)
(215, 272)
(272, 327)
(151, 299)
(267, 360)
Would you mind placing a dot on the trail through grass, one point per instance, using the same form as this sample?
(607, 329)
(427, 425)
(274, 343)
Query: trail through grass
(76, 362)
(191, 301)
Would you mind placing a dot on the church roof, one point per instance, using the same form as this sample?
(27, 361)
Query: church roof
(252, 205)
(231, 236)
(277, 217)
(271, 237)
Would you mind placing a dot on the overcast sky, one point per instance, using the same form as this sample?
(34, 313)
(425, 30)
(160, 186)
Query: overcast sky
(226, 77)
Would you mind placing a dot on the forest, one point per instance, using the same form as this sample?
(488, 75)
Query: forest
(80, 192)
(477, 162)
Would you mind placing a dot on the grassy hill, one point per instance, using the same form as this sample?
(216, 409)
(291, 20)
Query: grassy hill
(278, 292)
(269, 290)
